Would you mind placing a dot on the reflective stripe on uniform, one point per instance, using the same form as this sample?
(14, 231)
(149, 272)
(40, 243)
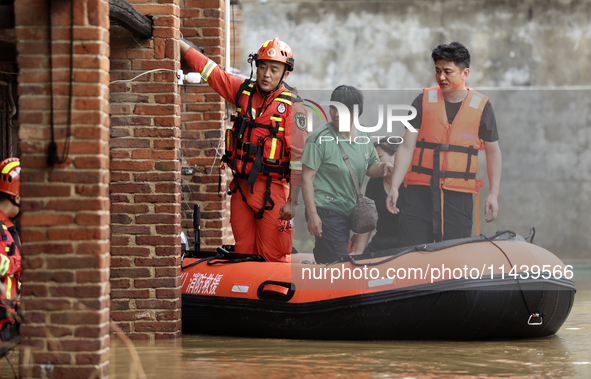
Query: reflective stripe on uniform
(275, 118)
(290, 94)
(281, 129)
(273, 147)
(8, 288)
(282, 100)
(10, 166)
(207, 70)
(295, 165)
(246, 93)
(4, 265)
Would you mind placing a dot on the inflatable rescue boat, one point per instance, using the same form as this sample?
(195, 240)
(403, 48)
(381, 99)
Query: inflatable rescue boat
(493, 286)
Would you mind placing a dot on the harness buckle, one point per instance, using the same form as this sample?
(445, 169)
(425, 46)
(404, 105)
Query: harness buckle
(444, 147)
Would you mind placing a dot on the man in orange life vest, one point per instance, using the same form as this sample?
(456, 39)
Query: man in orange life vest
(10, 246)
(454, 123)
(262, 149)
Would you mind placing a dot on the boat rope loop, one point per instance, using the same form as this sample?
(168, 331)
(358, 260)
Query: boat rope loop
(351, 258)
(219, 256)
(532, 234)
(223, 256)
(251, 258)
(536, 317)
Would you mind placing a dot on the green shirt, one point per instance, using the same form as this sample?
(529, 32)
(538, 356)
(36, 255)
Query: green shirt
(333, 187)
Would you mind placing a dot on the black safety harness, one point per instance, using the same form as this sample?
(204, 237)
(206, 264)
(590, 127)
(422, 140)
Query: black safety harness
(15, 244)
(436, 174)
(253, 153)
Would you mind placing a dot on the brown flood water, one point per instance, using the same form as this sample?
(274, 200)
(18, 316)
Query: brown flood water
(564, 355)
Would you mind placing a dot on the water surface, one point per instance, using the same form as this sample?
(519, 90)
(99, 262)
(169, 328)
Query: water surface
(564, 355)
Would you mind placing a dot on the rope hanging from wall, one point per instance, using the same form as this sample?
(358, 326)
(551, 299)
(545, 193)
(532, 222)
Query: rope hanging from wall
(52, 154)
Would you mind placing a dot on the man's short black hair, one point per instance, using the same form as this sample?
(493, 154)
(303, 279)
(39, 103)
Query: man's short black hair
(454, 52)
(349, 96)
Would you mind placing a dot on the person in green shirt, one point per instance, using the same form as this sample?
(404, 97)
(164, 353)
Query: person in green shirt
(328, 189)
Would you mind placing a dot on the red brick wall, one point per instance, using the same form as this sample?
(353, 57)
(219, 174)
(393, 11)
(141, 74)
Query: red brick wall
(145, 173)
(65, 221)
(203, 115)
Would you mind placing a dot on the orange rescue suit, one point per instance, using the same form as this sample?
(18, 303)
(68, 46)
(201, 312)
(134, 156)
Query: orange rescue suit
(10, 268)
(267, 236)
(454, 147)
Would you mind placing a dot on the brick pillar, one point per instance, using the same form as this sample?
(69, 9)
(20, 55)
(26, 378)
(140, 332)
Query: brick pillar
(145, 174)
(65, 221)
(203, 115)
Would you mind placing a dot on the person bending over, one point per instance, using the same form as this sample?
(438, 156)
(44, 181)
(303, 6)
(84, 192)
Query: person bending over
(328, 189)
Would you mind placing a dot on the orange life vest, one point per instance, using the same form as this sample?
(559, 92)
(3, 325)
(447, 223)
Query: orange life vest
(453, 148)
(255, 146)
(10, 271)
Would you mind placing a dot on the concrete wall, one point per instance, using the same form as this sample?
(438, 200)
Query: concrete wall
(524, 56)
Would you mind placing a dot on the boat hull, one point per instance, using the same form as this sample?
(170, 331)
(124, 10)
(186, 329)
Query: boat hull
(494, 306)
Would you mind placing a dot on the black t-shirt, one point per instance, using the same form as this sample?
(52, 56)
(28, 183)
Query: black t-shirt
(488, 123)
(387, 222)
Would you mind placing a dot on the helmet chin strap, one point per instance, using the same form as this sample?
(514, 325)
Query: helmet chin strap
(280, 80)
(13, 201)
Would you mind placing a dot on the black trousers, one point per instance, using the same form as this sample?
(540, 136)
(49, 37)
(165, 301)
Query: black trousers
(335, 236)
(416, 216)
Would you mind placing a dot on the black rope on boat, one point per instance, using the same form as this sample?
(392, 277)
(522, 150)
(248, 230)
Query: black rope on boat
(499, 233)
(532, 234)
(222, 257)
(351, 258)
(416, 248)
(201, 260)
(252, 258)
(535, 314)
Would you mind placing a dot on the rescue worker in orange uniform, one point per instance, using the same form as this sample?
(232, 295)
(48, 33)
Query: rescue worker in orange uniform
(263, 148)
(440, 162)
(10, 244)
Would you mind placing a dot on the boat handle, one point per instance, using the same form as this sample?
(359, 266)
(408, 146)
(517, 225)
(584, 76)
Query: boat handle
(534, 316)
(275, 288)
